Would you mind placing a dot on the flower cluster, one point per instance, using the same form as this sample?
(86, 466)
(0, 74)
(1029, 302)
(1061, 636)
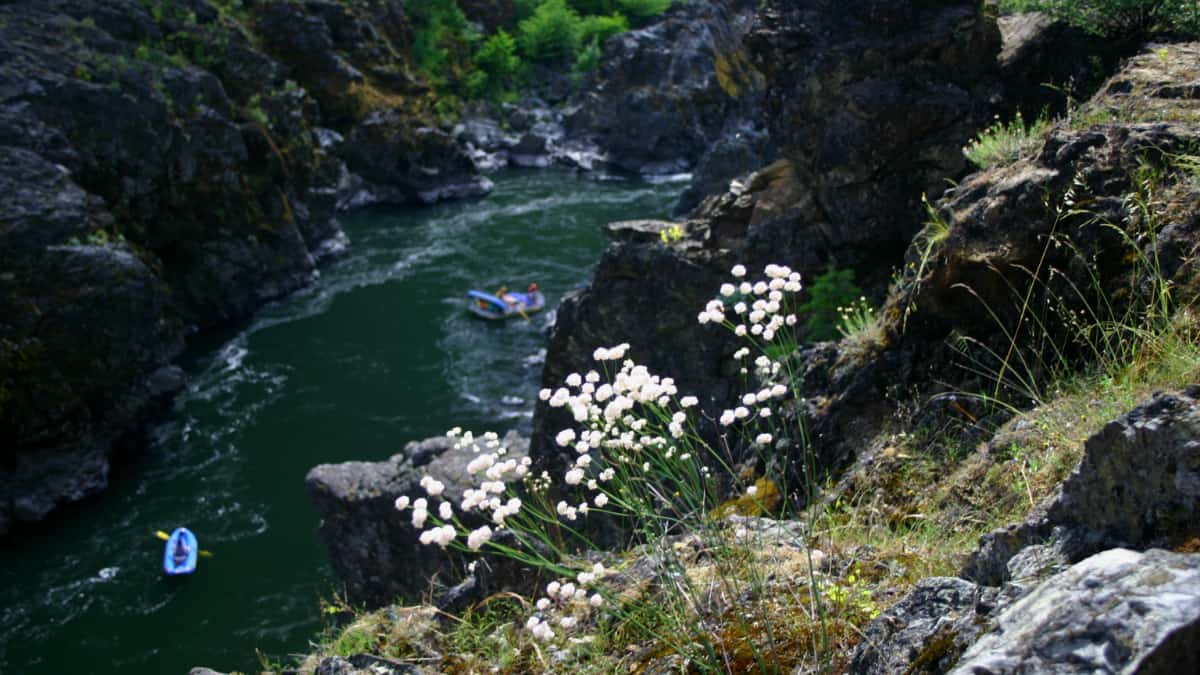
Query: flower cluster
(632, 445)
(566, 603)
(495, 471)
(764, 318)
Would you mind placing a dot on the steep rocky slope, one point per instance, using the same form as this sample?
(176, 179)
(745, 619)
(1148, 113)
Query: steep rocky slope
(167, 169)
(868, 111)
(1103, 214)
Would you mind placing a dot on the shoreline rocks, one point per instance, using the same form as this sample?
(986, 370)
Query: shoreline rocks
(373, 547)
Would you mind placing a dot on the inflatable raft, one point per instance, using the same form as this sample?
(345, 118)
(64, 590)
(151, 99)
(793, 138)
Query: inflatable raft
(181, 552)
(510, 304)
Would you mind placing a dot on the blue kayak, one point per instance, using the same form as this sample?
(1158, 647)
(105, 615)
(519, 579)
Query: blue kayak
(181, 552)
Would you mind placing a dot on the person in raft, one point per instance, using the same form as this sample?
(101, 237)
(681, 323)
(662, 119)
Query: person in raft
(181, 551)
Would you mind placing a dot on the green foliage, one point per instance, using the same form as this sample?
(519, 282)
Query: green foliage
(498, 65)
(1132, 19)
(442, 38)
(551, 34)
(354, 640)
(254, 112)
(588, 59)
(594, 6)
(1004, 143)
(597, 29)
(827, 296)
(641, 11)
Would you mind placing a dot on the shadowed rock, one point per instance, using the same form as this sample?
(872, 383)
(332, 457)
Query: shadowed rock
(373, 547)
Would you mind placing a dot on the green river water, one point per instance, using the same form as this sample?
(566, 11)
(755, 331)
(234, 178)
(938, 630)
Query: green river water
(378, 352)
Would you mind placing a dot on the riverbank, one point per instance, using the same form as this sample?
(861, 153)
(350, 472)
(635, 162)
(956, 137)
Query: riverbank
(959, 482)
(173, 168)
(377, 351)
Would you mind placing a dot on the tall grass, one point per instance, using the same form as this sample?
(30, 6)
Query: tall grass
(1076, 333)
(1006, 142)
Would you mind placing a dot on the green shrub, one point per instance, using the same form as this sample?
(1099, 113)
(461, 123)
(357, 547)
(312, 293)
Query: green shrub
(498, 63)
(640, 11)
(1004, 143)
(1131, 19)
(588, 59)
(597, 29)
(828, 297)
(441, 38)
(551, 34)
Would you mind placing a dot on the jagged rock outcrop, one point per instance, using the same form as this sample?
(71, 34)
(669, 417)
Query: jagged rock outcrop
(871, 106)
(163, 173)
(1046, 62)
(1091, 187)
(867, 111)
(676, 95)
(1061, 592)
(1138, 485)
(927, 630)
(141, 198)
(1117, 611)
(353, 59)
(373, 547)
(664, 93)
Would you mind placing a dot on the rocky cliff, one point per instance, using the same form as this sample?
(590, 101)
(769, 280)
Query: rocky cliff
(168, 167)
(1036, 268)
(868, 111)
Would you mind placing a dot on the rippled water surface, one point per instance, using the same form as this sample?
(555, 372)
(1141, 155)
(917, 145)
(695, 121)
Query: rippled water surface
(378, 352)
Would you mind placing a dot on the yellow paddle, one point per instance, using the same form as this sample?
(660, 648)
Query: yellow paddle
(165, 537)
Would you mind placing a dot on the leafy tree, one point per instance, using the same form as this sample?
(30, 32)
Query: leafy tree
(498, 64)
(551, 34)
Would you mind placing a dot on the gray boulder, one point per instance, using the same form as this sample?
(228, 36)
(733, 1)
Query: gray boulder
(927, 630)
(374, 548)
(1137, 486)
(1119, 611)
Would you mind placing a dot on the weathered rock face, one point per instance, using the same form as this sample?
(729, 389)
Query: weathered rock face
(846, 192)
(139, 198)
(1036, 602)
(353, 59)
(162, 173)
(926, 631)
(872, 106)
(374, 548)
(1117, 611)
(677, 95)
(1138, 485)
(1061, 59)
(997, 222)
(663, 94)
